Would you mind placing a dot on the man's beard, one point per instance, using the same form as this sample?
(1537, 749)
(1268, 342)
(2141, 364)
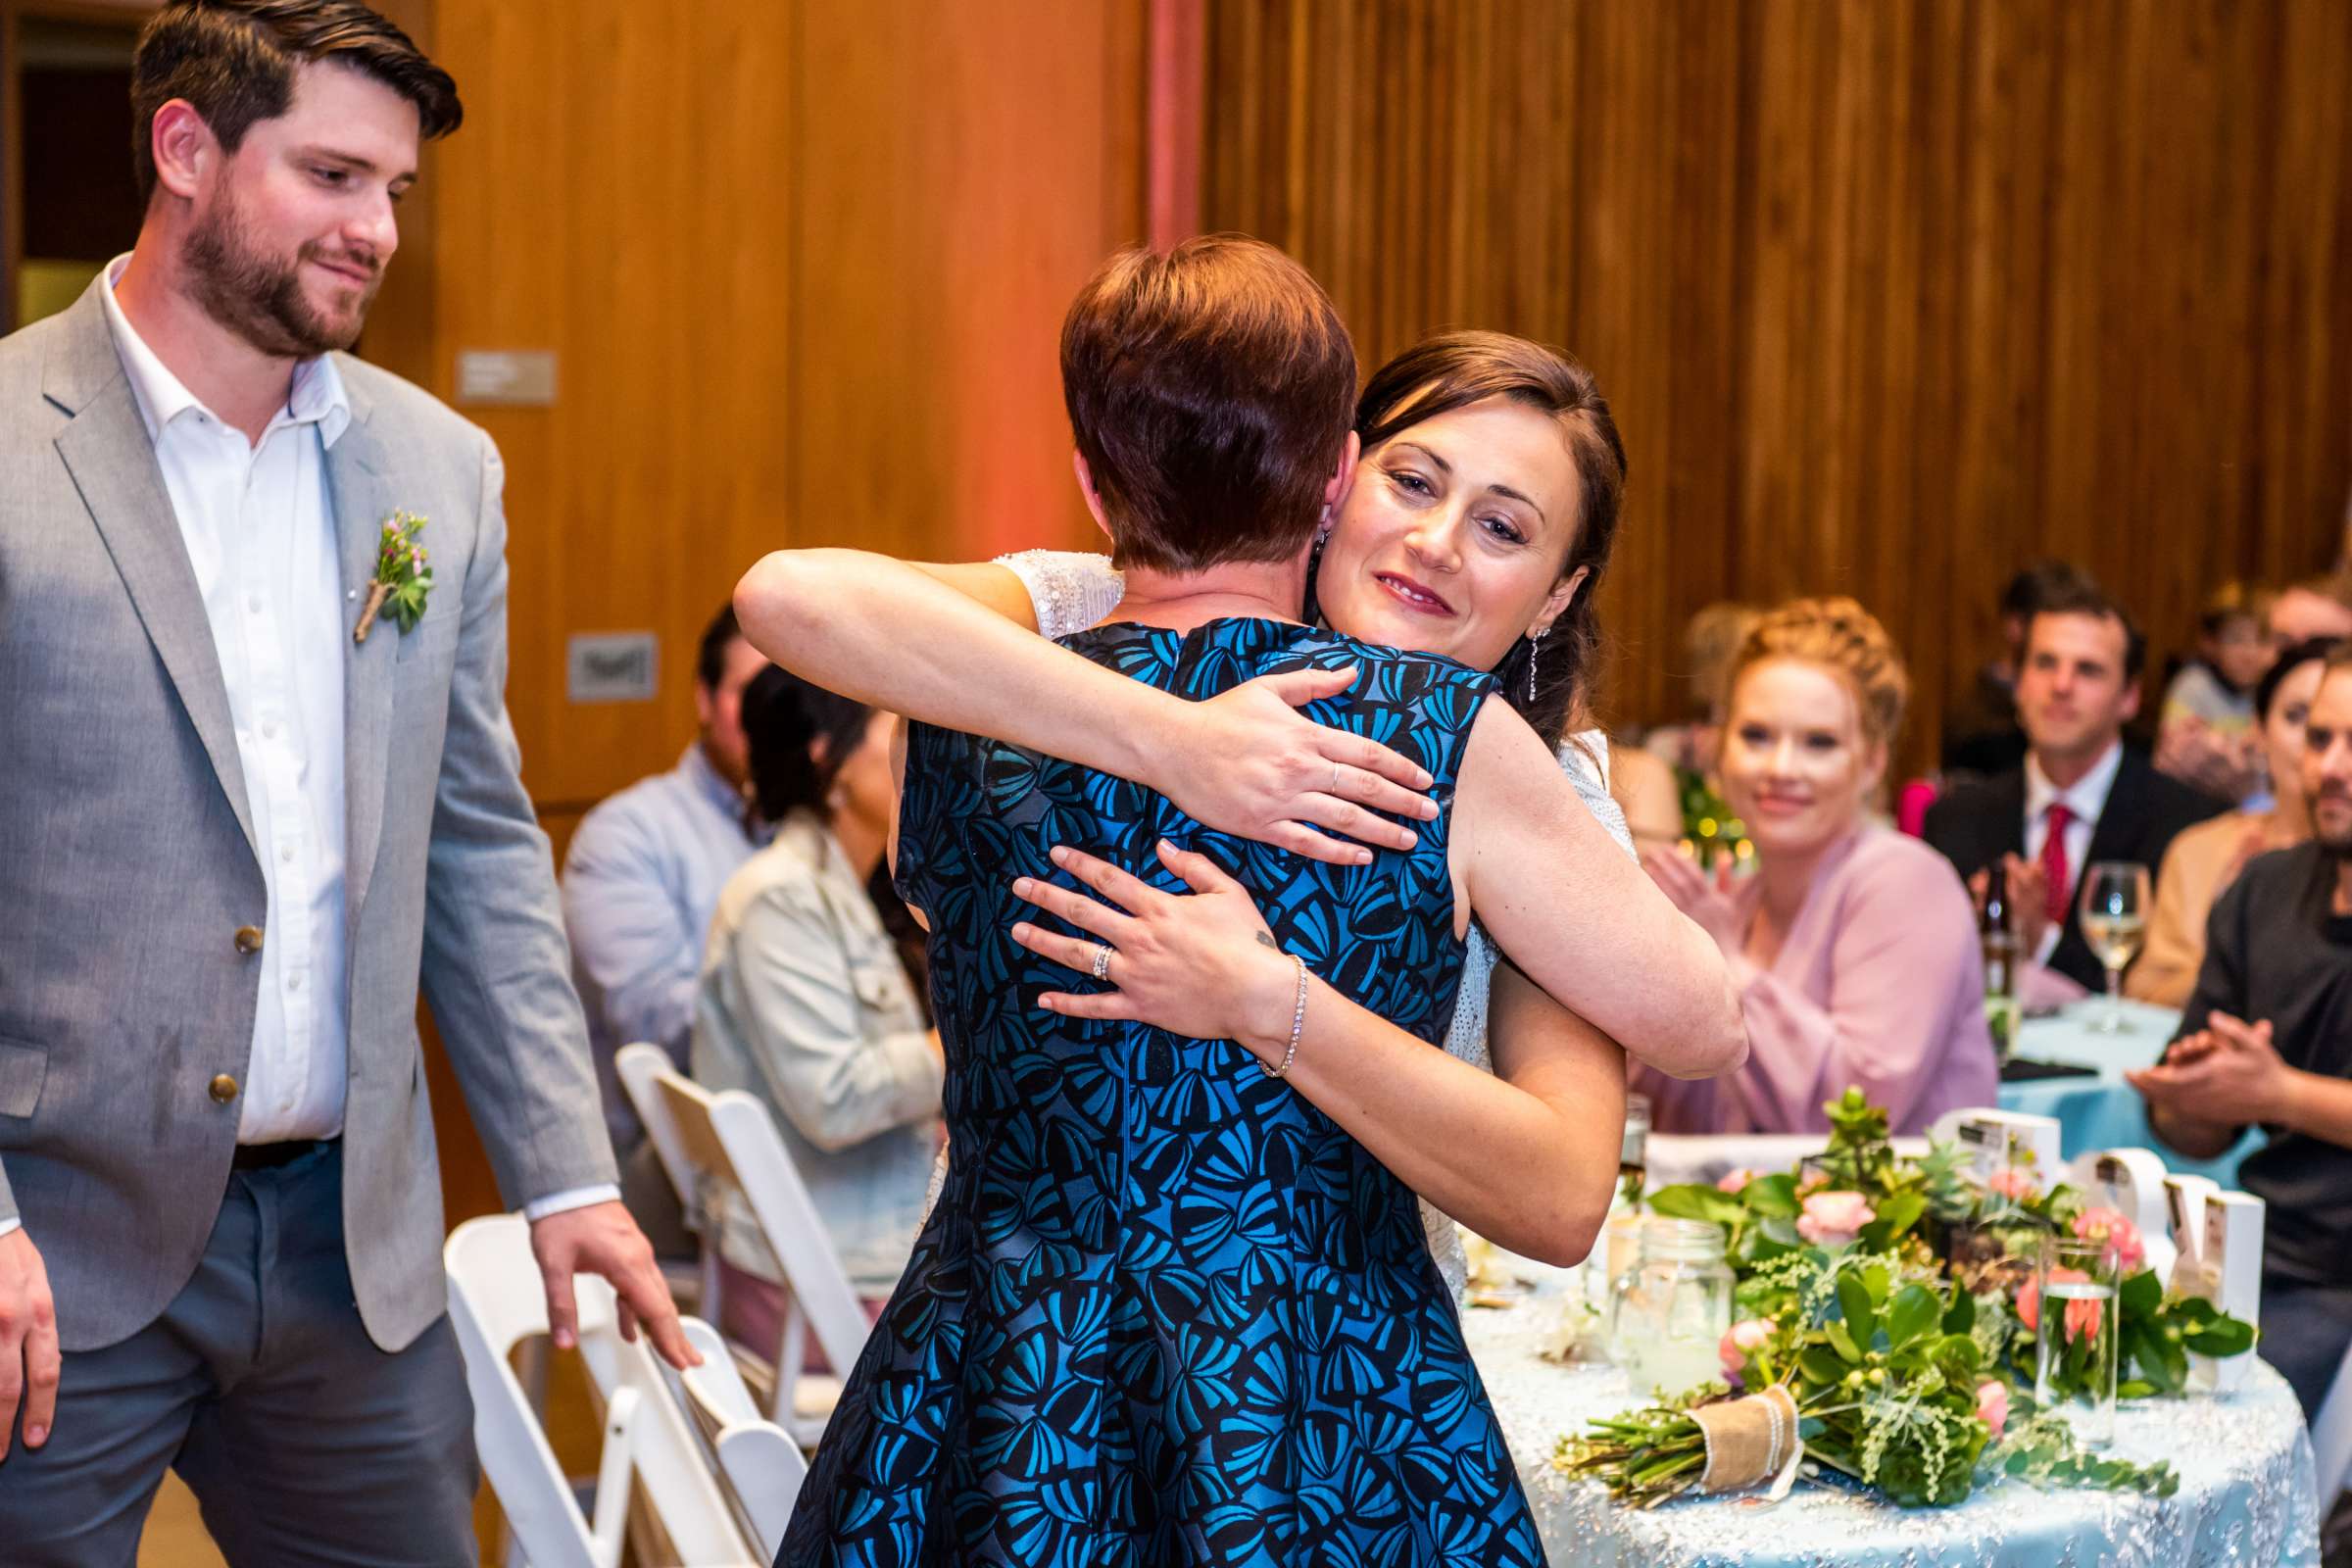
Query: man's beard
(258, 296)
(2335, 837)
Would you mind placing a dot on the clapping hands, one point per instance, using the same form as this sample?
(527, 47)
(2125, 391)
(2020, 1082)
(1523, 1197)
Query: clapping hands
(2226, 1074)
(1702, 896)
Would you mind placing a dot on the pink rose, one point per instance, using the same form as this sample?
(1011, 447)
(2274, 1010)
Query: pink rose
(1743, 1337)
(2081, 1316)
(1812, 1181)
(2127, 1255)
(2013, 1183)
(1992, 1408)
(1735, 1181)
(1832, 1219)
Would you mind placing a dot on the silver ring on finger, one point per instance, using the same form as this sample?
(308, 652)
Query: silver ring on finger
(1335, 779)
(1102, 962)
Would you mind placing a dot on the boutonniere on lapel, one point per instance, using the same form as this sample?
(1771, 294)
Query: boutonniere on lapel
(402, 579)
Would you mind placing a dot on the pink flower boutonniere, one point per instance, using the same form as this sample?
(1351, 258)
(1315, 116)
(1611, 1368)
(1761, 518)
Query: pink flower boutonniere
(402, 579)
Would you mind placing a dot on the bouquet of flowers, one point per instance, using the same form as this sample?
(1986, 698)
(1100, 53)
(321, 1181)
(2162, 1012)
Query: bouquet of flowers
(1885, 1307)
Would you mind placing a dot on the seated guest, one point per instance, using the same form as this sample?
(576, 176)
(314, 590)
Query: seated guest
(1642, 784)
(2081, 798)
(804, 1003)
(1710, 639)
(1982, 736)
(2317, 606)
(2267, 1039)
(2205, 736)
(640, 881)
(2206, 858)
(1854, 947)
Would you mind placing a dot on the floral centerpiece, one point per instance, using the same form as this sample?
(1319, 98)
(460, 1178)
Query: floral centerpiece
(1887, 1301)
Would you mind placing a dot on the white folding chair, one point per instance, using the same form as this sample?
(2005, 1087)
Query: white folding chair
(2332, 1438)
(712, 1142)
(497, 1301)
(760, 1466)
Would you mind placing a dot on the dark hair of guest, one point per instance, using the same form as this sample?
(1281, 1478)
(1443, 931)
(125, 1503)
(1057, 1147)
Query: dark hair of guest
(2078, 595)
(2266, 690)
(234, 60)
(784, 718)
(1209, 390)
(710, 656)
(1454, 370)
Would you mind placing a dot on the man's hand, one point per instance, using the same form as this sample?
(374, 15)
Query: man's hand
(601, 1238)
(2227, 1075)
(1247, 762)
(28, 1359)
(2029, 887)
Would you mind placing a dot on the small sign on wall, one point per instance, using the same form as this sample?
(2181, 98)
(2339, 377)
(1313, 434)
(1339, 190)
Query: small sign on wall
(613, 666)
(506, 377)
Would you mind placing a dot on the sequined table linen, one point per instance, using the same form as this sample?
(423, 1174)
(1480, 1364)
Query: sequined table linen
(2245, 1500)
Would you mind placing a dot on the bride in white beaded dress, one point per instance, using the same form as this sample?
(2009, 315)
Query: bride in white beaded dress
(1442, 545)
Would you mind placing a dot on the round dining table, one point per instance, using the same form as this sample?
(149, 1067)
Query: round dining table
(2247, 1497)
(2098, 1109)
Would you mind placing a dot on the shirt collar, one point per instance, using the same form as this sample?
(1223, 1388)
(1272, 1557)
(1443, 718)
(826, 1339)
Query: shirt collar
(2085, 799)
(713, 787)
(316, 395)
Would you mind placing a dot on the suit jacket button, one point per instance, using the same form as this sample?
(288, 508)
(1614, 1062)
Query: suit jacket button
(249, 940)
(223, 1089)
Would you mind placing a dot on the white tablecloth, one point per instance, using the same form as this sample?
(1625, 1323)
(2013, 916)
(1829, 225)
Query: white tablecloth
(2245, 1499)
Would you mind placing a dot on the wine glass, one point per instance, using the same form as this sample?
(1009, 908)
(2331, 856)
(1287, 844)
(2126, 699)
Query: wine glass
(2114, 912)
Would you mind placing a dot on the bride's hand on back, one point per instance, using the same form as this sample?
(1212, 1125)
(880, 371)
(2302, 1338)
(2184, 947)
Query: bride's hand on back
(1246, 762)
(1200, 964)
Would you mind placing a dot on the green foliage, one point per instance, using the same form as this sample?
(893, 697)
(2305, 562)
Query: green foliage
(401, 569)
(1884, 1346)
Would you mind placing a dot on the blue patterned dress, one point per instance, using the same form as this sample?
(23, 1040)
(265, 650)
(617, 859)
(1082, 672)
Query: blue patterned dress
(1166, 1312)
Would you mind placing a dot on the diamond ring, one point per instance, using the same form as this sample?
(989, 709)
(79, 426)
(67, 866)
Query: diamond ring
(1102, 962)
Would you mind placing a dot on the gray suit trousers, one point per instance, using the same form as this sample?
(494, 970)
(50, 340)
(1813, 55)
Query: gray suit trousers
(304, 1442)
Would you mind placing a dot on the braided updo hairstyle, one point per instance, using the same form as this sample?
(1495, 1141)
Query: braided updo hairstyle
(1840, 635)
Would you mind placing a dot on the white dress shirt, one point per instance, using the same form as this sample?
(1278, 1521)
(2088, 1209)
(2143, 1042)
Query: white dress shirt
(258, 525)
(2086, 799)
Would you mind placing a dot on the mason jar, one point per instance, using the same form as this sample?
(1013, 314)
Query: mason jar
(1668, 1313)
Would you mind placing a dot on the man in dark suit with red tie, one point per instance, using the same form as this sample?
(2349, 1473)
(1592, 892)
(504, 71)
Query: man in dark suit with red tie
(2081, 796)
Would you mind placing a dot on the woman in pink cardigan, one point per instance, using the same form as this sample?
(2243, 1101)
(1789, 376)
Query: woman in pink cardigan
(1854, 948)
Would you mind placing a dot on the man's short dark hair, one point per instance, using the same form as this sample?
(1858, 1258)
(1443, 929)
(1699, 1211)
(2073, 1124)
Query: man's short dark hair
(2079, 595)
(710, 659)
(1210, 390)
(2030, 587)
(235, 61)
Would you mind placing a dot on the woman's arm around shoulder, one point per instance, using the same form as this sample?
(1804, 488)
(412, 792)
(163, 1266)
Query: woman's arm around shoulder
(1579, 917)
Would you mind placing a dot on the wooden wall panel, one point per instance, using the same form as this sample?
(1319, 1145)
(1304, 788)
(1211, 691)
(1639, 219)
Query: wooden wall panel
(803, 266)
(1892, 299)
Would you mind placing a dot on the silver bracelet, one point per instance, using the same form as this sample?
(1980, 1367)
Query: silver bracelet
(1298, 1025)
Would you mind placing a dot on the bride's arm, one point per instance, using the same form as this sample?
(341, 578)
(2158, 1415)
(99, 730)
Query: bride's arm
(1577, 915)
(1551, 1115)
(890, 634)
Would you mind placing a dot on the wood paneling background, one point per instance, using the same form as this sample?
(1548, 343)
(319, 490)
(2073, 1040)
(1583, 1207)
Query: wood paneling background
(803, 266)
(1891, 298)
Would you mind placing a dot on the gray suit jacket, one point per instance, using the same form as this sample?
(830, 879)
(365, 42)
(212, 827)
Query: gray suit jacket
(128, 862)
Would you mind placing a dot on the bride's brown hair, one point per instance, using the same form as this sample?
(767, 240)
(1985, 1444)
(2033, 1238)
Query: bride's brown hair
(1454, 370)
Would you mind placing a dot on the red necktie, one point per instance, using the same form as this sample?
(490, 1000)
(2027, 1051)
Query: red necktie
(2056, 872)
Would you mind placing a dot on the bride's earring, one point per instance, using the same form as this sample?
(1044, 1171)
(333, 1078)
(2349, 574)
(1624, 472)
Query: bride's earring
(1535, 651)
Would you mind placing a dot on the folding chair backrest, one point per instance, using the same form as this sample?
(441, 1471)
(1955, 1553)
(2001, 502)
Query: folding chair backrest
(496, 1301)
(760, 1466)
(638, 1067)
(730, 1138)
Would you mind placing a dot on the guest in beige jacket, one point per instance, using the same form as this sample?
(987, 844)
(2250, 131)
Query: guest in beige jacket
(2205, 860)
(806, 1001)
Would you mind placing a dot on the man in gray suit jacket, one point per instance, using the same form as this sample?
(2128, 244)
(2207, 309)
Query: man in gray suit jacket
(245, 805)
